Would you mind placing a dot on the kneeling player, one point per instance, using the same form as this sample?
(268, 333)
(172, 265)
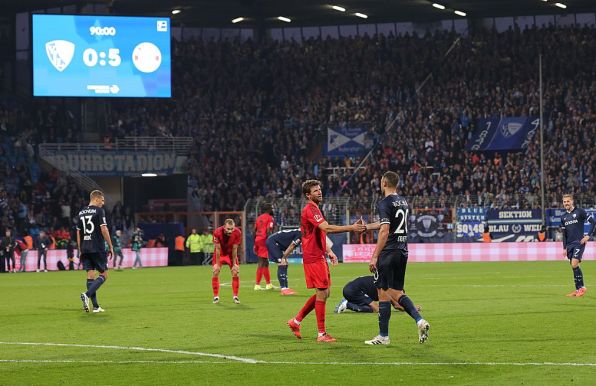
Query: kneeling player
(226, 239)
(361, 295)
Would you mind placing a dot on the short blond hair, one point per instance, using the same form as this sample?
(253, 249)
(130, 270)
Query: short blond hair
(229, 221)
(95, 194)
(568, 195)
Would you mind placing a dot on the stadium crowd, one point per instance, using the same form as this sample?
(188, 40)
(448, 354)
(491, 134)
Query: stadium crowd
(35, 200)
(259, 114)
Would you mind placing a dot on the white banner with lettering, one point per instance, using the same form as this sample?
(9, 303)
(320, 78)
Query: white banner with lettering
(459, 252)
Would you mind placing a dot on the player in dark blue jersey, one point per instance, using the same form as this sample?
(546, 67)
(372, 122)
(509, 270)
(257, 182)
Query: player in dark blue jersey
(92, 230)
(280, 245)
(390, 258)
(574, 240)
(361, 295)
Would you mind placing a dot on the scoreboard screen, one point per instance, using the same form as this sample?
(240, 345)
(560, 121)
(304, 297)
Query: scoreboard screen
(101, 56)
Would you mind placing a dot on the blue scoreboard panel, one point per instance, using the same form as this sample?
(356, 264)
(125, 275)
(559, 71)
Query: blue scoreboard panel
(101, 56)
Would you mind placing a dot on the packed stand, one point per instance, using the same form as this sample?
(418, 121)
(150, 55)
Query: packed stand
(259, 114)
(38, 203)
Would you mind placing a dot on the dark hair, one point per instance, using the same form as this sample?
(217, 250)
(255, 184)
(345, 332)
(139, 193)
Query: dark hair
(308, 184)
(391, 178)
(267, 208)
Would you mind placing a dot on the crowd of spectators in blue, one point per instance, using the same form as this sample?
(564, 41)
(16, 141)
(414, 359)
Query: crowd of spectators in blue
(258, 113)
(34, 198)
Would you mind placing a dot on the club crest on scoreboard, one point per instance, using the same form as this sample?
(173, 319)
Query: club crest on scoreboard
(60, 53)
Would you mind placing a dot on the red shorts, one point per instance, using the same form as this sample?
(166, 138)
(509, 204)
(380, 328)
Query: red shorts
(317, 275)
(261, 248)
(224, 260)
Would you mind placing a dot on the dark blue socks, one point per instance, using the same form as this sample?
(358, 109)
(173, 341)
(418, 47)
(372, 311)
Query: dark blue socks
(282, 275)
(384, 316)
(578, 277)
(95, 284)
(409, 307)
(94, 296)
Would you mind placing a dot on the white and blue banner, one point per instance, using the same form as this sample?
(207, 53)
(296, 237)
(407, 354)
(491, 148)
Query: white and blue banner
(514, 224)
(470, 223)
(345, 142)
(503, 134)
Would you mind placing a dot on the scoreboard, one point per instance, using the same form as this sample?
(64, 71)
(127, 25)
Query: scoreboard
(101, 56)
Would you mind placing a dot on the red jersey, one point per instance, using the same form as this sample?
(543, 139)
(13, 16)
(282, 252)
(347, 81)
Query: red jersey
(226, 242)
(263, 226)
(314, 241)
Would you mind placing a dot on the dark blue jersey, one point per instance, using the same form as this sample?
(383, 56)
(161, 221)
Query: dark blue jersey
(364, 284)
(572, 225)
(91, 219)
(394, 210)
(286, 237)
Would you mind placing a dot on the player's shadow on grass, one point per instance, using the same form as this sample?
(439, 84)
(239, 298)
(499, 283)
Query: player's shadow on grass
(230, 306)
(99, 318)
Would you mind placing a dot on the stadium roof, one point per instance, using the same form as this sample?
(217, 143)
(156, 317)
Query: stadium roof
(264, 13)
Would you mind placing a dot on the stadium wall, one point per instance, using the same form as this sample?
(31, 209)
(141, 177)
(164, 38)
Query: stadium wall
(150, 257)
(464, 252)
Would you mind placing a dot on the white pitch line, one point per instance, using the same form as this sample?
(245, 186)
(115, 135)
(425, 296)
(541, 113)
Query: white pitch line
(432, 363)
(174, 362)
(256, 361)
(107, 362)
(133, 348)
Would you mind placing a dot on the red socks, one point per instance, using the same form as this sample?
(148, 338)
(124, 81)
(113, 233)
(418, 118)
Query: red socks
(215, 285)
(235, 285)
(320, 311)
(267, 275)
(259, 275)
(263, 271)
(307, 308)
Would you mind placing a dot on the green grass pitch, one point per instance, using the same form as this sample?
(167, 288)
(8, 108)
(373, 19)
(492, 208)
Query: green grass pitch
(491, 323)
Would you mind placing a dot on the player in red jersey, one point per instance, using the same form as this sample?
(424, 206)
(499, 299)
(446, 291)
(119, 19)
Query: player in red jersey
(316, 271)
(263, 228)
(226, 239)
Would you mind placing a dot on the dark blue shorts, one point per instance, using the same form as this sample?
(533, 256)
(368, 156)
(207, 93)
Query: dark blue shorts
(576, 252)
(95, 262)
(356, 296)
(391, 269)
(275, 251)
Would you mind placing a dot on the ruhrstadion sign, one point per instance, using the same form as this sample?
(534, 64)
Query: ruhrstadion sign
(110, 163)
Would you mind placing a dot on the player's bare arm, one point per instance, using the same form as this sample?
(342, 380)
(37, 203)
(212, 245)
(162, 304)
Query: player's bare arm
(216, 254)
(106, 236)
(586, 238)
(381, 241)
(235, 265)
(356, 227)
(79, 242)
(332, 256)
(284, 257)
(373, 226)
